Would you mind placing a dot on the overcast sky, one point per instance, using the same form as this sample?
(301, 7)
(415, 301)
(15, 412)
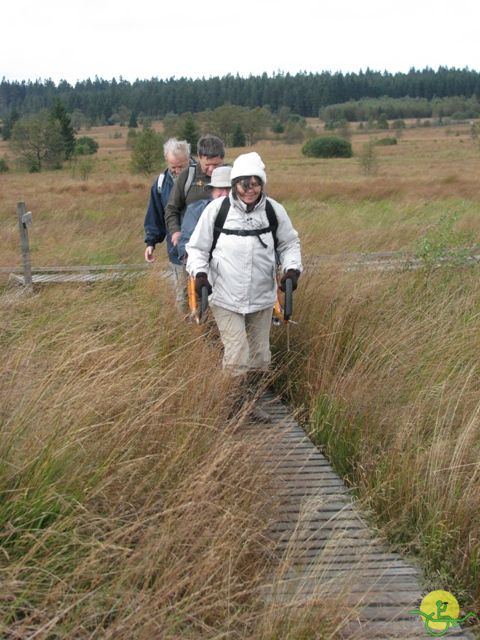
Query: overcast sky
(55, 39)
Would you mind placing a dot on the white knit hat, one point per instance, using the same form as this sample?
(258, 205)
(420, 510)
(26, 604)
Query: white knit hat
(249, 164)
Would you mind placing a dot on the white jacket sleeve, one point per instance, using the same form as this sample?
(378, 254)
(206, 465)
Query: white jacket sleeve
(288, 242)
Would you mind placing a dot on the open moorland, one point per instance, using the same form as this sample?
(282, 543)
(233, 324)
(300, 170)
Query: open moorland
(128, 507)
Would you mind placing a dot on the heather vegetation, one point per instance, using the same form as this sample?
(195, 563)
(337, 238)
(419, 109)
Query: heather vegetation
(129, 506)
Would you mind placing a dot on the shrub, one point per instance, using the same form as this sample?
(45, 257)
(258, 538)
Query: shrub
(367, 158)
(86, 146)
(385, 142)
(382, 122)
(442, 242)
(147, 152)
(131, 137)
(3, 165)
(327, 147)
(85, 167)
(277, 127)
(294, 132)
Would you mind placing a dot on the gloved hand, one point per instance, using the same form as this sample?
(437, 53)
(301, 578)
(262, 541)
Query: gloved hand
(201, 281)
(294, 275)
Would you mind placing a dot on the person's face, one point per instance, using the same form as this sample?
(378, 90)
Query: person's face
(218, 192)
(176, 164)
(207, 164)
(249, 189)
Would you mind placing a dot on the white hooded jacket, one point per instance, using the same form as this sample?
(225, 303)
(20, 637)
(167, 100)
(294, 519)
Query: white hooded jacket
(242, 271)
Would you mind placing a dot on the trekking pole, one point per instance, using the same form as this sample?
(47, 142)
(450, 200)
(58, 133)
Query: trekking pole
(288, 307)
(202, 311)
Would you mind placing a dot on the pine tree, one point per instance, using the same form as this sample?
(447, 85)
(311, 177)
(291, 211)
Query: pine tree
(189, 131)
(8, 123)
(133, 124)
(59, 113)
(238, 137)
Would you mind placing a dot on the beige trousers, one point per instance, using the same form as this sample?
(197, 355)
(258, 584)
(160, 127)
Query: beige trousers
(245, 338)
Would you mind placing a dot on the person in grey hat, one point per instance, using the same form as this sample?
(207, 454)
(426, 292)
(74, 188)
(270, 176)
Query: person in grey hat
(220, 185)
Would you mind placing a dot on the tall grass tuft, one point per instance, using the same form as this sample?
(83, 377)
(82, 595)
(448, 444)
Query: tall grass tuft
(128, 505)
(387, 370)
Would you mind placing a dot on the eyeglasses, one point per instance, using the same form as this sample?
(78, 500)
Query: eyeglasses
(249, 185)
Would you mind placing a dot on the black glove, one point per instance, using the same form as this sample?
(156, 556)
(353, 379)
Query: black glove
(201, 281)
(291, 274)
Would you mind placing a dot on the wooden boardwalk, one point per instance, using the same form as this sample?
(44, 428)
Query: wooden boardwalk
(379, 261)
(326, 549)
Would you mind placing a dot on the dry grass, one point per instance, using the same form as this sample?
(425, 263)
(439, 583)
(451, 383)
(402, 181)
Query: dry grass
(128, 506)
(99, 220)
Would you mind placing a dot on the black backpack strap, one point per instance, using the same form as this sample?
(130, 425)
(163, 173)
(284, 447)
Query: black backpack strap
(249, 232)
(222, 216)
(272, 221)
(219, 222)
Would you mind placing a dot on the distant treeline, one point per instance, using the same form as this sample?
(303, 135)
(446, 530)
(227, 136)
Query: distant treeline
(367, 109)
(305, 94)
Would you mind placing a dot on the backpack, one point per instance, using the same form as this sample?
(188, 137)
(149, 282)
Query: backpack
(222, 216)
(188, 183)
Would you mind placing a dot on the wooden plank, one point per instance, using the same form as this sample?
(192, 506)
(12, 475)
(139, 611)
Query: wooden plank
(310, 483)
(320, 517)
(281, 447)
(311, 465)
(325, 532)
(308, 487)
(304, 494)
(320, 561)
(284, 474)
(359, 572)
(317, 525)
(320, 504)
(304, 475)
(376, 590)
(322, 537)
(290, 457)
(350, 553)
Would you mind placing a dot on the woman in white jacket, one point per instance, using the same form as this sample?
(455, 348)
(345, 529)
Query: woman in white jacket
(240, 272)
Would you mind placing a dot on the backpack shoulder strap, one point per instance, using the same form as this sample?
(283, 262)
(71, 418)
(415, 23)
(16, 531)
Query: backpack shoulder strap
(219, 222)
(160, 180)
(188, 183)
(272, 220)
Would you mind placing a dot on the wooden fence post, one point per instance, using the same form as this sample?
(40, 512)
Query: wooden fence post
(24, 219)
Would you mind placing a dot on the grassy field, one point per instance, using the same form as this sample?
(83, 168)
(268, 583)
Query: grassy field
(128, 508)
